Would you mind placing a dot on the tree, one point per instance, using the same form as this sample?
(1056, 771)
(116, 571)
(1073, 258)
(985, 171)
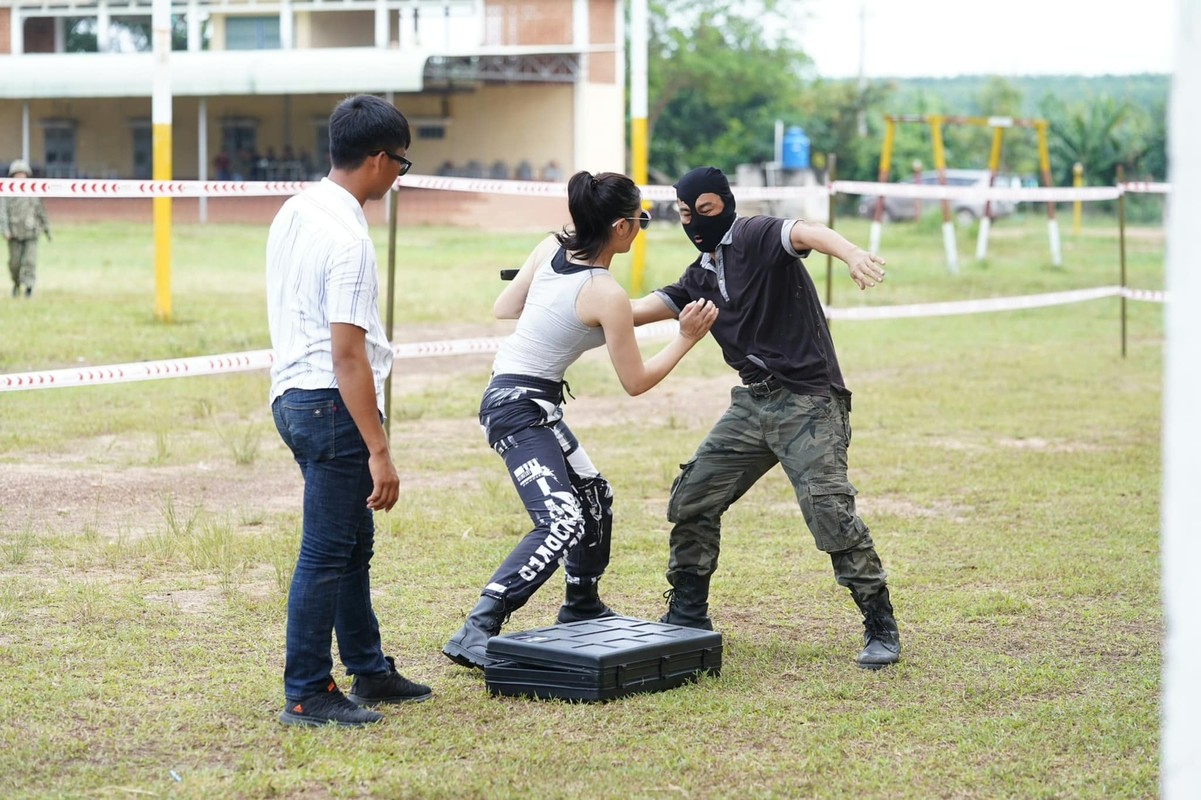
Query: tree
(829, 112)
(718, 80)
(1090, 135)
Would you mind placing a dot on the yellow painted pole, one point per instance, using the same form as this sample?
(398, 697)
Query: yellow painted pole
(890, 132)
(950, 245)
(994, 165)
(994, 155)
(639, 142)
(1044, 164)
(877, 229)
(940, 162)
(160, 105)
(1077, 205)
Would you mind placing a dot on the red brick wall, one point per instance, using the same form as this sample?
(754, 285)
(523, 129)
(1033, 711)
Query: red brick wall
(602, 28)
(417, 207)
(6, 30)
(602, 21)
(519, 22)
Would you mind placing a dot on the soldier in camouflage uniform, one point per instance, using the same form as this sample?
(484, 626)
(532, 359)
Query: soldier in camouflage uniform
(22, 219)
(792, 409)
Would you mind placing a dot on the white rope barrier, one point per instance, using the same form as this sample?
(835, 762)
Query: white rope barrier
(128, 189)
(228, 363)
(1038, 194)
(973, 306)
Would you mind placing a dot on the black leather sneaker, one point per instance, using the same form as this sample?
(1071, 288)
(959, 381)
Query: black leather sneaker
(387, 687)
(325, 708)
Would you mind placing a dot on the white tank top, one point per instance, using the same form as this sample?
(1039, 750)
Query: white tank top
(549, 335)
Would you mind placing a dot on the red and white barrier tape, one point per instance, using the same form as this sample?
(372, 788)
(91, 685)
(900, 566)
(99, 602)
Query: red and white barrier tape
(1147, 187)
(140, 371)
(263, 359)
(1146, 295)
(58, 187)
(487, 186)
(133, 189)
(249, 361)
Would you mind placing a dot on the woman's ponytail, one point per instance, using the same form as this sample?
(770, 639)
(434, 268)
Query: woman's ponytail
(595, 201)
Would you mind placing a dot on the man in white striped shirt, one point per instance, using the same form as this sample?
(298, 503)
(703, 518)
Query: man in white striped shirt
(327, 396)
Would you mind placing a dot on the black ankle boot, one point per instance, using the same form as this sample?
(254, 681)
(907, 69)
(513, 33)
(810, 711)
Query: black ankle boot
(583, 602)
(469, 646)
(881, 639)
(688, 601)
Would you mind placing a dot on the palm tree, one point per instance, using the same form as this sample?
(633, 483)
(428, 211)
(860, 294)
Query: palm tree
(1088, 134)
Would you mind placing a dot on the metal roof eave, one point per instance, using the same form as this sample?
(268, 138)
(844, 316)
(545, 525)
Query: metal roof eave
(210, 74)
(234, 72)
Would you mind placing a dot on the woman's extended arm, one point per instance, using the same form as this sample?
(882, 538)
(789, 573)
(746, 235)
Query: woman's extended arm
(511, 300)
(603, 302)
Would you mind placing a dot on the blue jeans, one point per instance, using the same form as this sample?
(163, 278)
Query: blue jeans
(331, 586)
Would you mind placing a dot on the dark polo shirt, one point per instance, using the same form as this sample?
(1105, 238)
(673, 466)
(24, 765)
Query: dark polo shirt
(770, 321)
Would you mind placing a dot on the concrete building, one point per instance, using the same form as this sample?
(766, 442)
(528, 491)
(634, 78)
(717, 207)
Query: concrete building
(493, 88)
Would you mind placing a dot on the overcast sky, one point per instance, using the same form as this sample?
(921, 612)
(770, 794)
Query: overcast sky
(942, 38)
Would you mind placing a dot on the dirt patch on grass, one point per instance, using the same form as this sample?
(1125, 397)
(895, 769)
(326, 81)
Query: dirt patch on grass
(113, 499)
(120, 486)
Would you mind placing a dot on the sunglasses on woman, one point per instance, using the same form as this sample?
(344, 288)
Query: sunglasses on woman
(643, 221)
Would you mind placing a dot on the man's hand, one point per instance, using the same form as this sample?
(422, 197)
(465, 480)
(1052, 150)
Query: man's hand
(866, 268)
(385, 483)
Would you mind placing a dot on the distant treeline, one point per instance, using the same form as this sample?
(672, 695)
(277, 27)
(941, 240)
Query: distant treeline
(1146, 91)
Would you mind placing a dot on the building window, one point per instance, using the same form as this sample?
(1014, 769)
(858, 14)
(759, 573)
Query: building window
(239, 142)
(143, 149)
(252, 33)
(431, 132)
(321, 146)
(59, 138)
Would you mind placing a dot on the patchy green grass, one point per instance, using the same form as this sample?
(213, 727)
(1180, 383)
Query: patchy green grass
(1008, 465)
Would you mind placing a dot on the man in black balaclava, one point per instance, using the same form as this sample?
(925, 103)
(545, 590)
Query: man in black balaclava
(792, 408)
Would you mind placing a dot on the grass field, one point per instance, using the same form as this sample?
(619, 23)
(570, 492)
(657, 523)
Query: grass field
(1008, 465)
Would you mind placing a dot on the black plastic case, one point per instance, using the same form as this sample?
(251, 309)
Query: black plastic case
(600, 659)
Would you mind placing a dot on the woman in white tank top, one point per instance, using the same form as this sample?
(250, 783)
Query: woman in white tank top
(565, 302)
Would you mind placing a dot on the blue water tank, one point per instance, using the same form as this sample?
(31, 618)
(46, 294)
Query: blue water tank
(796, 149)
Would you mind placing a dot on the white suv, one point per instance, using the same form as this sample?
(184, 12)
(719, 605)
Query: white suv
(965, 210)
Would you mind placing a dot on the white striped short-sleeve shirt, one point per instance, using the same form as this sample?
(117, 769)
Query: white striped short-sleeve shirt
(321, 269)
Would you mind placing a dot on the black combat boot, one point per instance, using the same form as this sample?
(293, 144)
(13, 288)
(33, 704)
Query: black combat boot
(881, 639)
(469, 646)
(583, 602)
(688, 601)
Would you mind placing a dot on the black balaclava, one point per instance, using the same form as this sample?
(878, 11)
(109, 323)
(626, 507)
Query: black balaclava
(706, 232)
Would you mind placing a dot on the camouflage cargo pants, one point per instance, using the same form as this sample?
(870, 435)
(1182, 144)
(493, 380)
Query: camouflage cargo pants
(808, 436)
(23, 261)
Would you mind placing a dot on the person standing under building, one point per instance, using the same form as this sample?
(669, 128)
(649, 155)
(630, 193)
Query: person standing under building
(22, 220)
(792, 409)
(327, 398)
